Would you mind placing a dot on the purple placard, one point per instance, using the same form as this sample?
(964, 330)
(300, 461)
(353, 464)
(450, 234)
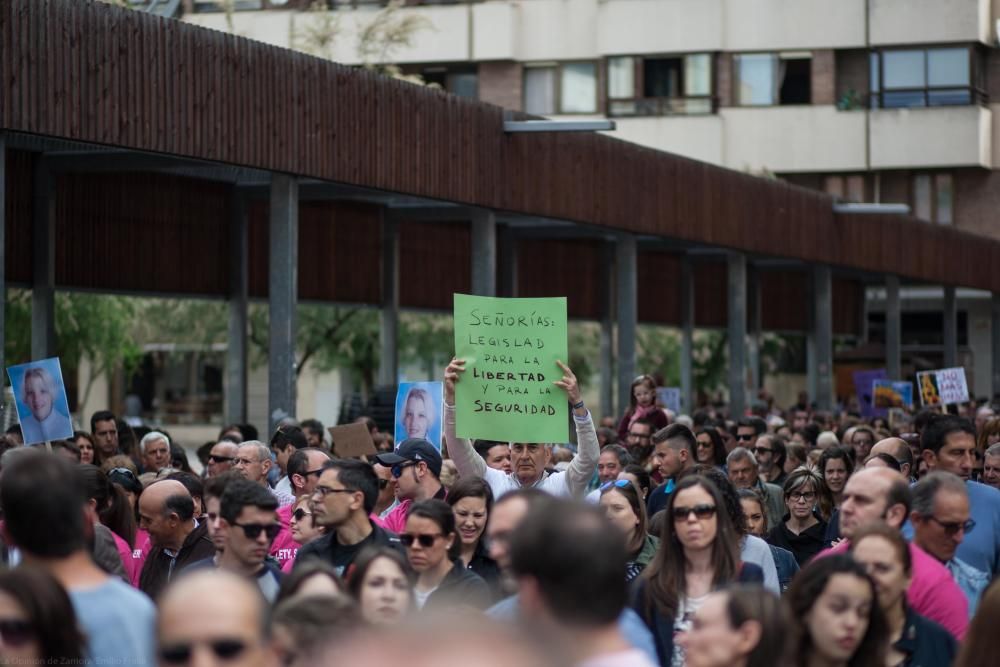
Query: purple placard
(863, 383)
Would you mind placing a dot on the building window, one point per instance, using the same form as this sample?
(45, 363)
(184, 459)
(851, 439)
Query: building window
(551, 88)
(768, 79)
(925, 78)
(933, 197)
(849, 188)
(457, 81)
(667, 85)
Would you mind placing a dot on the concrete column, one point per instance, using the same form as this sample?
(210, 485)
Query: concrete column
(607, 336)
(950, 311)
(687, 334)
(239, 287)
(823, 335)
(43, 264)
(389, 356)
(893, 329)
(754, 325)
(995, 339)
(737, 316)
(628, 308)
(507, 270)
(282, 296)
(811, 372)
(484, 253)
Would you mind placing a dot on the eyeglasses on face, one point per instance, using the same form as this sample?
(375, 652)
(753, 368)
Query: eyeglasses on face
(640, 436)
(213, 458)
(701, 512)
(952, 528)
(616, 483)
(397, 470)
(382, 483)
(324, 491)
(745, 436)
(797, 496)
(300, 514)
(16, 632)
(253, 530)
(223, 648)
(426, 540)
(762, 450)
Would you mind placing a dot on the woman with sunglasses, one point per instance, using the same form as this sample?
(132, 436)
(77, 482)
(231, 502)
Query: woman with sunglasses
(710, 448)
(37, 623)
(620, 500)
(432, 549)
(471, 500)
(914, 639)
(835, 618)
(382, 584)
(699, 553)
(802, 529)
(302, 528)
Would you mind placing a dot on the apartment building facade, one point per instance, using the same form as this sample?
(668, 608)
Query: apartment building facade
(887, 101)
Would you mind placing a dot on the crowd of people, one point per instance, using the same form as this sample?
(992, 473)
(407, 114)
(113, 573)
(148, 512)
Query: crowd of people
(786, 538)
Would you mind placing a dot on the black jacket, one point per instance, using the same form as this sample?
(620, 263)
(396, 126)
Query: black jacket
(925, 643)
(340, 556)
(488, 569)
(160, 567)
(804, 545)
(461, 587)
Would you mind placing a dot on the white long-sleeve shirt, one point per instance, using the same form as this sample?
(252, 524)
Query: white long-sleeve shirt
(571, 482)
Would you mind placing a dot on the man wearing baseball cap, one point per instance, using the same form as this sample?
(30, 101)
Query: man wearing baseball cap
(416, 466)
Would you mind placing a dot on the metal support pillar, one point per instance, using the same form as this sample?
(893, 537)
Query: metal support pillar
(754, 333)
(282, 296)
(607, 353)
(737, 321)
(687, 335)
(893, 329)
(388, 371)
(823, 335)
(950, 311)
(507, 269)
(628, 304)
(3, 246)
(484, 253)
(239, 286)
(43, 264)
(995, 339)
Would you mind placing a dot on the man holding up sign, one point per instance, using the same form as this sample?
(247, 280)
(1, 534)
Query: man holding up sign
(528, 460)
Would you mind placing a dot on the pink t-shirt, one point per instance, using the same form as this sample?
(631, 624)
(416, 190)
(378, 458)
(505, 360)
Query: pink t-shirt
(142, 548)
(932, 593)
(284, 546)
(128, 558)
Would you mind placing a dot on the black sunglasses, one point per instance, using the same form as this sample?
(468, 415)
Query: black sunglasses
(253, 530)
(701, 512)
(951, 528)
(224, 649)
(220, 459)
(397, 470)
(300, 514)
(425, 540)
(382, 483)
(16, 632)
(745, 436)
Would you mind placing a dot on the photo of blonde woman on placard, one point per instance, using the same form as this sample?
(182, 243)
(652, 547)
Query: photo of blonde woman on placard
(40, 397)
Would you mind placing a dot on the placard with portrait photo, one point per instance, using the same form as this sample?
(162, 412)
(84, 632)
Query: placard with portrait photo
(40, 398)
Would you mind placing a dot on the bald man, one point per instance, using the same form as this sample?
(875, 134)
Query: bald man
(899, 450)
(166, 512)
(213, 617)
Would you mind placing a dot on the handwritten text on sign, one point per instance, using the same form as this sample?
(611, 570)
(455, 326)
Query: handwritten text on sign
(943, 387)
(510, 348)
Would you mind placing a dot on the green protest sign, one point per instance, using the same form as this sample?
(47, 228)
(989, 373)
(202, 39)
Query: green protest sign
(510, 348)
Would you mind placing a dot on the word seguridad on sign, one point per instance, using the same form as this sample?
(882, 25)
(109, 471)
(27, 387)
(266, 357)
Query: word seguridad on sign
(510, 348)
(943, 387)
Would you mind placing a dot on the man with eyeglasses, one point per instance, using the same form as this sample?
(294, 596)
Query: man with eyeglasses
(248, 522)
(253, 461)
(416, 467)
(940, 519)
(221, 457)
(770, 453)
(342, 501)
(748, 429)
(214, 618)
(304, 468)
(639, 440)
(947, 443)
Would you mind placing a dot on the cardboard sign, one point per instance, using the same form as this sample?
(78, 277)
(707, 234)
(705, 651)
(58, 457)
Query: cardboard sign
(350, 441)
(670, 398)
(943, 387)
(510, 348)
(863, 383)
(418, 412)
(892, 394)
(40, 398)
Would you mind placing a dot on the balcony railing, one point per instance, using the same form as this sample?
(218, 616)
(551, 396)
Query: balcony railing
(662, 106)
